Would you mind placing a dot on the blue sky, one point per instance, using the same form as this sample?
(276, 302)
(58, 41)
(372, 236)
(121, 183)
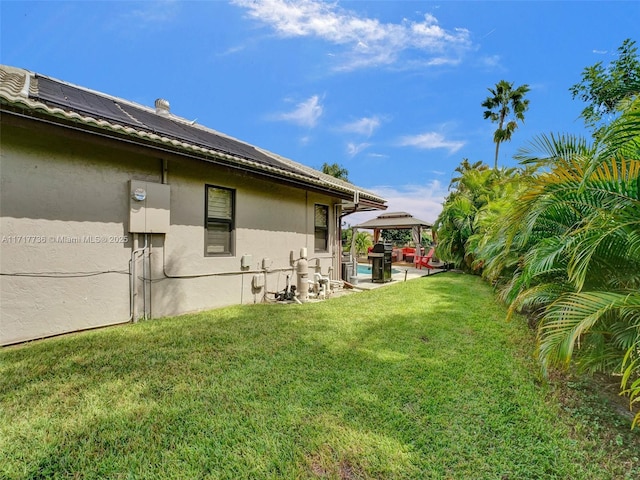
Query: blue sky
(390, 90)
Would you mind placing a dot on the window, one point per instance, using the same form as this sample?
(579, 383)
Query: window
(219, 222)
(321, 230)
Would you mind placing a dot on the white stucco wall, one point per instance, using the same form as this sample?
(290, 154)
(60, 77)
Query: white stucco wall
(65, 249)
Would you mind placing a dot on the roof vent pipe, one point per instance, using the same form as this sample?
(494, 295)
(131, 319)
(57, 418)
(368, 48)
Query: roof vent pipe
(162, 106)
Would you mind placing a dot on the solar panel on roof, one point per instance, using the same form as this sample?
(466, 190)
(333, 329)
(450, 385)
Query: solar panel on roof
(82, 101)
(72, 98)
(198, 136)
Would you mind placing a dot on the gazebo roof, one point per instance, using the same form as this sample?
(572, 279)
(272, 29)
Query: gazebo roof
(394, 220)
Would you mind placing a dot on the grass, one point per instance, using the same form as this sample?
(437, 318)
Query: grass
(422, 379)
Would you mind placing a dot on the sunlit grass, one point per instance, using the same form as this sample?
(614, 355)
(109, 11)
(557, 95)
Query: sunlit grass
(422, 379)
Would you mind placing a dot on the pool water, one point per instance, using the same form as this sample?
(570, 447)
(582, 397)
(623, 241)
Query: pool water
(366, 269)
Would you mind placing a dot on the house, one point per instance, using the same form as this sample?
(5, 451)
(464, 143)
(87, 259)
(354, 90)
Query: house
(112, 211)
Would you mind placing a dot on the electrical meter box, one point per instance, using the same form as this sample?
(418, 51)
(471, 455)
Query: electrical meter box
(149, 207)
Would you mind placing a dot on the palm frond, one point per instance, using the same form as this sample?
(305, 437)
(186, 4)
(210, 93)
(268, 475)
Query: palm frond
(630, 383)
(546, 150)
(573, 315)
(535, 298)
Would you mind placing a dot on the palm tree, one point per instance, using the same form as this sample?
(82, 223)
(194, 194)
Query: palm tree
(503, 101)
(491, 244)
(454, 226)
(363, 242)
(576, 230)
(463, 168)
(459, 226)
(335, 170)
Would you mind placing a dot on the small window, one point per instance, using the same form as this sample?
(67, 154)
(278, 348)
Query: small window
(321, 230)
(219, 222)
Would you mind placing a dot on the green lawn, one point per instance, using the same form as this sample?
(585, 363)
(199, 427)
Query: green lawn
(422, 379)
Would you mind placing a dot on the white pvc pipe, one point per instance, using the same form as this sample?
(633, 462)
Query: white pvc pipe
(132, 280)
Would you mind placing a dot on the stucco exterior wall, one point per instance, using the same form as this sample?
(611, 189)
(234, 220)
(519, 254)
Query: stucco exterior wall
(65, 247)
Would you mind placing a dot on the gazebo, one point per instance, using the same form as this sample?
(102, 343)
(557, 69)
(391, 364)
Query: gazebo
(395, 221)
(391, 221)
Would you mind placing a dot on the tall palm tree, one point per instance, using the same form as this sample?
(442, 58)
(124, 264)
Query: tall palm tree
(504, 101)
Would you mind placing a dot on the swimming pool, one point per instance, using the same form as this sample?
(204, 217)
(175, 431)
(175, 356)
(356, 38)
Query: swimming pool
(366, 269)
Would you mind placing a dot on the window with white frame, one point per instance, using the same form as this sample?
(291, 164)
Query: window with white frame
(219, 221)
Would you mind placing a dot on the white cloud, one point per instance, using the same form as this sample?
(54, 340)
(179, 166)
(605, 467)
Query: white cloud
(421, 201)
(154, 13)
(367, 42)
(354, 149)
(492, 61)
(306, 114)
(364, 126)
(430, 141)
(232, 50)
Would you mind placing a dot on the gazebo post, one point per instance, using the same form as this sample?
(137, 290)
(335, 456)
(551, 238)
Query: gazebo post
(354, 253)
(417, 238)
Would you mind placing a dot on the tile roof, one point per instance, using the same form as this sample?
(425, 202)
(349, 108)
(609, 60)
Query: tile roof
(41, 95)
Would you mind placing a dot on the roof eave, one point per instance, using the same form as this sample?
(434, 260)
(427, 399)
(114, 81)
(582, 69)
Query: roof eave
(24, 107)
(18, 96)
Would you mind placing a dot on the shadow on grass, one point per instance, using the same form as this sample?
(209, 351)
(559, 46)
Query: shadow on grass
(416, 380)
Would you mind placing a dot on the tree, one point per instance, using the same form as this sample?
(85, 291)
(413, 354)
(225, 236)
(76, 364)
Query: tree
(363, 242)
(576, 231)
(457, 227)
(503, 102)
(560, 239)
(464, 167)
(336, 170)
(605, 89)
(397, 237)
(346, 234)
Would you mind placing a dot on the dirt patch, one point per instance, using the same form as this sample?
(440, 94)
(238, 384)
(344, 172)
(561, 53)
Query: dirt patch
(327, 464)
(318, 469)
(348, 471)
(597, 395)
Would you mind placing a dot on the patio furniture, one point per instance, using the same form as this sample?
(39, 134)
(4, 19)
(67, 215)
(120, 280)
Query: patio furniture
(425, 261)
(408, 253)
